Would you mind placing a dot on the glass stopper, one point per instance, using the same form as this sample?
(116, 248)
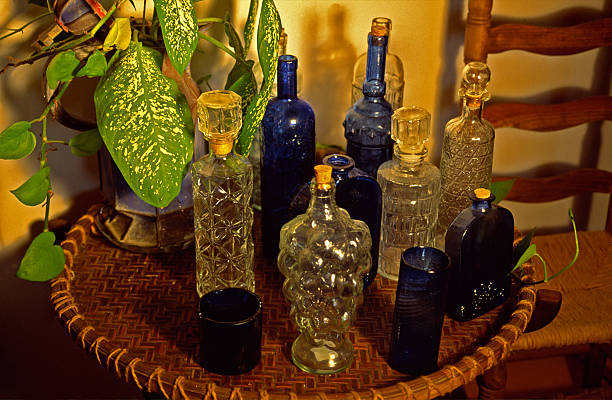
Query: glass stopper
(410, 129)
(476, 77)
(220, 119)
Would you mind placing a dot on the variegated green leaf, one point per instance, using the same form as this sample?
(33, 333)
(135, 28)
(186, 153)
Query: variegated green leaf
(268, 35)
(145, 123)
(233, 38)
(179, 25)
(249, 27)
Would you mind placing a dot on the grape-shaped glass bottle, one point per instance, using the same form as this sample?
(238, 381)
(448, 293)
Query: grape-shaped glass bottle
(323, 256)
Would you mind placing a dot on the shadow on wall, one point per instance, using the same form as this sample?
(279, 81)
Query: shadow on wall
(331, 61)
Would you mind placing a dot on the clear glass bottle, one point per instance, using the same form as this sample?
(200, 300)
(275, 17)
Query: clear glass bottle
(479, 244)
(410, 191)
(288, 152)
(394, 73)
(367, 124)
(467, 148)
(222, 187)
(323, 256)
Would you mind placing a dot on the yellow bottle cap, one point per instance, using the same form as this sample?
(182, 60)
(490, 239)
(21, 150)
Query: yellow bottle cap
(220, 119)
(482, 193)
(410, 129)
(476, 77)
(323, 176)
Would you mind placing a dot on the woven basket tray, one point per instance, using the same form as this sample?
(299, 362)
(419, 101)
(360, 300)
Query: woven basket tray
(136, 313)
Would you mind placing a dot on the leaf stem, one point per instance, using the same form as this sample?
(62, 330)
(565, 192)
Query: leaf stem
(57, 141)
(16, 30)
(50, 104)
(219, 45)
(211, 19)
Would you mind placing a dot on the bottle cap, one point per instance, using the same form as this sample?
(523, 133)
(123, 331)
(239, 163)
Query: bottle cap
(323, 175)
(382, 21)
(220, 119)
(282, 42)
(379, 30)
(482, 193)
(410, 129)
(476, 77)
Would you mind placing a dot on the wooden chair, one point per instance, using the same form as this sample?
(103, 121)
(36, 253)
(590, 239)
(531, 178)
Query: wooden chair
(584, 321)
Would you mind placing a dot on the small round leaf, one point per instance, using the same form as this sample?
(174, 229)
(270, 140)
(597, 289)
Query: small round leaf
(85, 143)
(95, 66)
(34, 190)
(17, 141)
(61, 68)
(43, 260)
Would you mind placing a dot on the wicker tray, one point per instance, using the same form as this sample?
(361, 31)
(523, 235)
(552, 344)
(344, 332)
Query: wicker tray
(136, 313)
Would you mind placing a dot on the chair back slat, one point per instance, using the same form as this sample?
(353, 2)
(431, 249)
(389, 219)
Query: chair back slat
(549, 40)
(549, 117)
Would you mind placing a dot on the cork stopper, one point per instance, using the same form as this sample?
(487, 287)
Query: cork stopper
(220, 119)
(382, 21)
(476, 77)
(323, 176)
(282, 43)
(482, 193)
(379, 30)
(410, 129)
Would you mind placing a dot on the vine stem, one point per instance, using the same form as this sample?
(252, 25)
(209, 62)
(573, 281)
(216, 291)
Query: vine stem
(219, 45)
(17, 30)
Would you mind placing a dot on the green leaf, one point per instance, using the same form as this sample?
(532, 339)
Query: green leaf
(34, 191)
(95, 66)
(520, 248)
(500, 189)
(530, 252)
(142, 118)
(17, 141)
(85, 143)
(242, 81)
(249, 27)
(61, 68)
(233, 38)
(268, 35)
(43, 260)
(179, 25)
(119, 35)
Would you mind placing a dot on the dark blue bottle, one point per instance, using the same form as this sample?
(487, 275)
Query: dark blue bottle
(367, 126)
(288, 152)
(360, 195)
(479, 244)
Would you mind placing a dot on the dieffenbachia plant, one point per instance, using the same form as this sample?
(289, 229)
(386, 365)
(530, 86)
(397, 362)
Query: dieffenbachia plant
(142, 117)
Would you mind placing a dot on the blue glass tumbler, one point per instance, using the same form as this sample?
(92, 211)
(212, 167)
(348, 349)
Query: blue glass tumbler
(419, 310)
(230, 331)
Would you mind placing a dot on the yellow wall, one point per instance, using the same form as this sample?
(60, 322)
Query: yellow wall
(327, 36)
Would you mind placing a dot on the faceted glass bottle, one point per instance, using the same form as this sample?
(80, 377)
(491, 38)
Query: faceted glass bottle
(410, 191)
(479, 244)
(222, 186)
(367, 124)
(394, 73)
(288, 152)
(467, 149)
(324, 255)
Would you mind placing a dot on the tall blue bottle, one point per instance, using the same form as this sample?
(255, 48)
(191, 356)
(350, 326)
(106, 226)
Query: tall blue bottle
(288, 152)
(367, 126)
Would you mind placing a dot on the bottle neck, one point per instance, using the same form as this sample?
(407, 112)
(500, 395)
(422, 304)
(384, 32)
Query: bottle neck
(472, 108)
(322, 201)
(481, 205)
(374, 85)
(287, 85)
(411, 159)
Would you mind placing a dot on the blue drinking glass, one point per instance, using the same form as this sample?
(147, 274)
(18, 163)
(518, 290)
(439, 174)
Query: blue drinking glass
(419, 310)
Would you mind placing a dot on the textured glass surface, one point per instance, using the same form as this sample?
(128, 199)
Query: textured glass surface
(288, 152)
(223, 221)
(467, 152)
(368, 123)
(324, 255)
(410, 191)
(479, 243)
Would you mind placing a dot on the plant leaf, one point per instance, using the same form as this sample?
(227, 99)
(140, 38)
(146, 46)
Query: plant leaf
(43, 260)
(179, 25)
(500, 189)
(520, 248)
(142, 118)
(249, 27)
(95, 66)
(85, 143)
(242, 81)
(119, 35)
(530, 252)
(61, 68)
(233, 38)
(268, 35)
(34, 191)
(17, 141)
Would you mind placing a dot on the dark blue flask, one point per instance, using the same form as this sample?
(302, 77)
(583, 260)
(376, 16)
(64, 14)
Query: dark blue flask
(288, 152)
(479, 244)
(367, 126)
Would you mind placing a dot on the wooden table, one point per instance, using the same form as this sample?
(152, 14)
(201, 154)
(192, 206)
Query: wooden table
(136, 314)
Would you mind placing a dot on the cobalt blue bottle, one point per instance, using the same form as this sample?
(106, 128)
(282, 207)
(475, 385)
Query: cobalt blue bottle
(367, 126)
(360, 195)
(288, 152)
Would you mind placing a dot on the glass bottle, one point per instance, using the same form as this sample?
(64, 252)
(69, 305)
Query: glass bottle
(410, 190)
(479, 244)
(324, 255)
(222, 186)
(467, 148)
(368, 122)
(394, 73)
(288, 152)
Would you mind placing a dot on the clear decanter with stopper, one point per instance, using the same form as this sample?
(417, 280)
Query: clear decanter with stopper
(467, 149)
(222, 188)
(324, 255)
(410, 190)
